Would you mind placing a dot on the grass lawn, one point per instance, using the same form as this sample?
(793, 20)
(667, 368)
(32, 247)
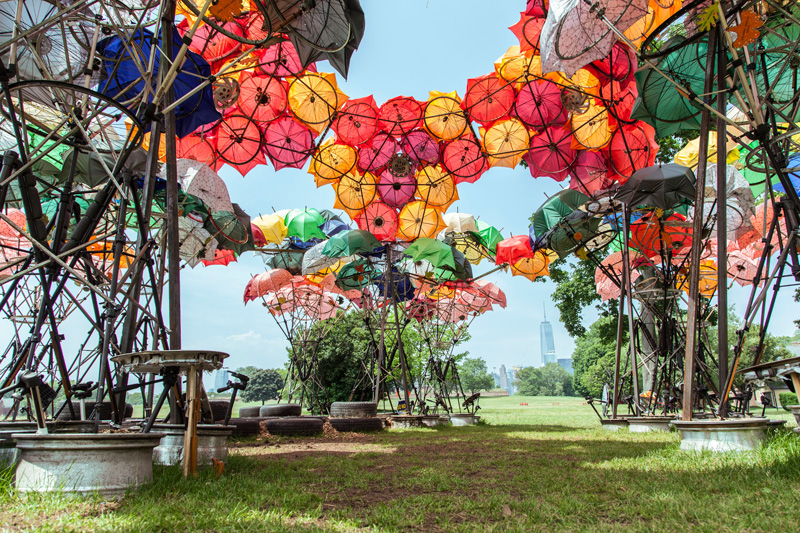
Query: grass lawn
(546, 466)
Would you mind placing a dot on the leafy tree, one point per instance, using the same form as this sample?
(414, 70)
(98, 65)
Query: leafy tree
(247, 370)
(593, 358)
(474, 375)
(669, 146)
(264, 385)
(550, 380)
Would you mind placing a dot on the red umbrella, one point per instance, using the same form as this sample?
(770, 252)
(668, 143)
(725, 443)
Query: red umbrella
(420, 147)
(513, 249)
(536, 8)
(288, 143)
(267, 282)
(377, 152)
(551, 153)
(538, 104)
(632, 147)
(239, 142)
(357, 121)
(619, 64)
(258, 235)
(254, 27)
(619, 99)
(527, 31)
(400, 115)
(280, 60)
(590, 173)
(464, 159)
(221, 258)
(396, 191)
(262, 98)
(380, 220)
(202, 148)
(488, 98)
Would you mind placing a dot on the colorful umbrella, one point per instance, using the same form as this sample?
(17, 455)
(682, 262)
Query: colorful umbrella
(443, 116)
(421, 147)
(513, 249)
(380, 220)
(396, 191)
(464, 159)
(351, 242)
(288, 143)
(590, 129)
(436, 187)
(262, 98)
(357, 121)
(279, 60)
(555, 208)
(377, 152)
(633, 146)
(532, 267)
(239, 142)
(506, 141)
(356, 191)
(538, 104)
(305, 224)
(199, 180)
(488, 234)
(400, 115)
(527, 31)
(488, 98)
(272, 227)
(551, 154)
(332, 161)
(314, 98)
(418, 219)
(434, 251)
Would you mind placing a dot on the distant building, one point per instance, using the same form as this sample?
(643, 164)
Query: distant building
(503, 377)
(548, 345)
(221, 379)
(496, 378)
(566, 363)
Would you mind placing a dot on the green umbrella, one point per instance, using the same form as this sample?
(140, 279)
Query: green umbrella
(228, 230)
(350, 242)
(571, 232)
(489, 235)
(356, 275)
(305, 224)
(329, 215)
(555, 208)
(435, 252)
(462, 270)
(293, 262)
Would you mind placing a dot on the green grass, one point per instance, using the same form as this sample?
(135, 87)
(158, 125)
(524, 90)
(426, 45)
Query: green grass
(546, 466)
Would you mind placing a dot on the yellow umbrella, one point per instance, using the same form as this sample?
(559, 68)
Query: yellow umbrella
(272, 226)
(506, 141)
(332, 161)
(688, 155)
(518, 67)
(418, 219)
(532, 267)
(443, 116)
(356, 191)
(162, 145)
(436, 187)
(657, 12)
(590, 130)
(314, 98)
(708, 279)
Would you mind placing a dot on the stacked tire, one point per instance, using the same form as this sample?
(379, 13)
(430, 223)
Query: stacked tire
(281, 409)
(355, 417)
(104, 409)
(295, 426)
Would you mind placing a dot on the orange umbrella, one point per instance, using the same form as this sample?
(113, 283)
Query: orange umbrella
(314, 98)
(506, 141)
(332, 161)
(443, 116)
(436, 187)
(590, 129)
(418, 219)
(532, 267)
(356, 191)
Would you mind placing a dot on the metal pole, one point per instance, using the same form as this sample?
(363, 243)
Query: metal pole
(620, 331)
(693, 318)
(722, 228)
(626, 258)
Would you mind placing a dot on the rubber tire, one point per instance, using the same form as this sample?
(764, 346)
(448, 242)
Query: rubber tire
(219, 408)
(357, 424)
(354, 409)
(246, 427)
(249, 412)
(281, 409)
(295, 426)
(105, 410)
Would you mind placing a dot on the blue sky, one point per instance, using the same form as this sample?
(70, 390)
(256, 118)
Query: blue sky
(409, 48)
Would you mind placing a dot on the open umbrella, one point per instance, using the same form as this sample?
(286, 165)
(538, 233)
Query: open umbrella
(555, 208)
(420, 147)
(356, 191)
(488, 98)
(377, 152)
(460, 222)
(380, 220)
(538, 103)
(305, 224)
(279, 60)
(201, 181)
(551, 154)
(664, 186)
(332, 161)
(506, 141)
(632, 147)
(262, 98)
(357, 121)
(400, 115)
(395, 190)
(266, 282)
(528, 31)
(351, 242)
(532, 267)
(434, 251)
(272, 227)
(239, 142)
(314, 98)
(513, 249)
(464, 159)
(418, 219)
(288, 143)
(356, 275)
(443, 116)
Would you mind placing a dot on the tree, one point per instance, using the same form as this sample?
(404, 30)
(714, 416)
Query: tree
(264, 384)
(594, 355)
(474, 375)
(550, 380)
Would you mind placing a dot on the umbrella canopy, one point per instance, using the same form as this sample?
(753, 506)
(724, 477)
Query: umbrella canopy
(357, 121)
(663, 186)
(460, 222)
(262, 98)
(538, 104)
(314, 98)
(464, 159)
(201, 181)
(380, 220)
(332, 161)
(532, 267)
(272, 227)
(356, 191)
(434, 251)
(506, 141)
(400, 115)
(315, 259)
(418, 219)
(287, 143)
(421, 147)
(239, 142)
(488, 98)
(513, 249)
(443, 116)
(551, 154)
(356, 275)
(488, 234)
(395, 190)
(265, 283)
(632, 147)
(290, 261)
(305, 224)
(377, 152)
(555, 208)
(351, 242)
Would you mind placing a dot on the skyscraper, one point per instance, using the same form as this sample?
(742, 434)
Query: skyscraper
(547, 342)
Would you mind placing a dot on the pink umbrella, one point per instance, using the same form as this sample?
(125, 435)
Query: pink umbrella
(464, 159)
(265, 283)
(262, 98)
(400, 115)
(482, 295)
(396, 191)
(619, 100)
(551, 153)
(288, 143)
(619, 64)
(632, 147)
(280, 60)
(590, 173)
(377, 152)
(420, 147)
(539, 104)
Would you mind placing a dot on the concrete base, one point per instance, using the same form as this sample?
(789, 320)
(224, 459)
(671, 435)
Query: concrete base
(795, 409)
(646, 424)
(463, 419)
(615, 424)
(435, 421)
(212, 442)
(407, 421)
(740, 435)
(9, 455)
(106, 463)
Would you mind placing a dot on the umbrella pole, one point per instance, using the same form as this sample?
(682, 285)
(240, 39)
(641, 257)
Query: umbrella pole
(722, 228)
(402, 352)
(626, 257)
(620, 330)
(693, 311)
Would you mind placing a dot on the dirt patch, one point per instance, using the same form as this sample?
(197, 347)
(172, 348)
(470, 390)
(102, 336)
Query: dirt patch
(298, 450)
